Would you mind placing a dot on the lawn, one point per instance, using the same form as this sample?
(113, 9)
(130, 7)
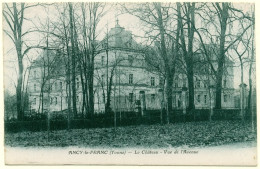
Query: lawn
(191, 134)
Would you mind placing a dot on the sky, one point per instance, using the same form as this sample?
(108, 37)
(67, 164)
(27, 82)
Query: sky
(37, 14)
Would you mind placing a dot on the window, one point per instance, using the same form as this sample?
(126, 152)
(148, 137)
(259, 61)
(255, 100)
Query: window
(198, 98)
(77, 98)
(179, 101)
(225, 83)
(51, 100)
(55, 86)
(184, 83)
(102, 60)
(131, 97)
(205, 70)
(77, 83)
(205, 99)
(205, 83)
(60, 85)
(174, 99)
(152, 81)
(34, 86)
(56, 100)
(34, 100)
(130, 78)
(198, 83)
(176, 82)
(161, 81)
(102, 78)
(225, 98)
(34, 74)
(67, 99)
(129, 43)
(130, 59)
(152, 97)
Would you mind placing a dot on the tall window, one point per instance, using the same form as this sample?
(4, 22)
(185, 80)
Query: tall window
(153, 97)
(176, 83)
(102, 60)
(184, 83)
(205, 99)
(205, 83)
(34, 100)
(131, 97)
(225, 98)
(130, 44)
(77, 82)
(56, 100)
(55, 85)
(34, 87)
(130, 78)
(198, 98)
(174, 99)
(130, 59)
(102, 79)
(198, 83)
(152, 81)
(205, 70)
(225, 83)
(34, 74)
(60, 85)
(161, 81)
(176, 80)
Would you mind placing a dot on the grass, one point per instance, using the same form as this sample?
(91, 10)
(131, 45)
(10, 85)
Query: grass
(191, 134)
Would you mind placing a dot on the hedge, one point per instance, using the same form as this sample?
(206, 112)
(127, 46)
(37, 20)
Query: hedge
(127, 118)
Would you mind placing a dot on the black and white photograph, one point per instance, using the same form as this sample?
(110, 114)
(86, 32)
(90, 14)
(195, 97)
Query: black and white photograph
(129, 83)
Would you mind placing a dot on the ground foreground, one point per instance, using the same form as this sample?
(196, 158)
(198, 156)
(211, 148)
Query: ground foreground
(191, 134)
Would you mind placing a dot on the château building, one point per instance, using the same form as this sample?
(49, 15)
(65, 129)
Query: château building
(121, 67)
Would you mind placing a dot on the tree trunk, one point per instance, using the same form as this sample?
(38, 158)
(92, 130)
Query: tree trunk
(169, 72)
(169, 85)
(221, 57)
(249, 103)
(73, 59)
(83, 92)
(91, 90)
(20, 112)
(86, 91)
(108, 101)
(188, 53)
(190, 76)
(242, 102)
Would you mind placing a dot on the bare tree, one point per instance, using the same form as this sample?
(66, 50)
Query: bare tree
(156, 17)
(14, 16)
(244, 44)
(188, 19)
(90, 15)
(73, 57)
(251, 62)
(221, 18)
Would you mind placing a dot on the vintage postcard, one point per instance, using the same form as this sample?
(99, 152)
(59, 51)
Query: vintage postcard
(120, 83)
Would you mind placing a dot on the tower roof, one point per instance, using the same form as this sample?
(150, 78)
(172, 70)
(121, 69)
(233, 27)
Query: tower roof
(119, 37)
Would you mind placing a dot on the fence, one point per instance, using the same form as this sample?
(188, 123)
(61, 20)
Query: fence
(123, 119)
